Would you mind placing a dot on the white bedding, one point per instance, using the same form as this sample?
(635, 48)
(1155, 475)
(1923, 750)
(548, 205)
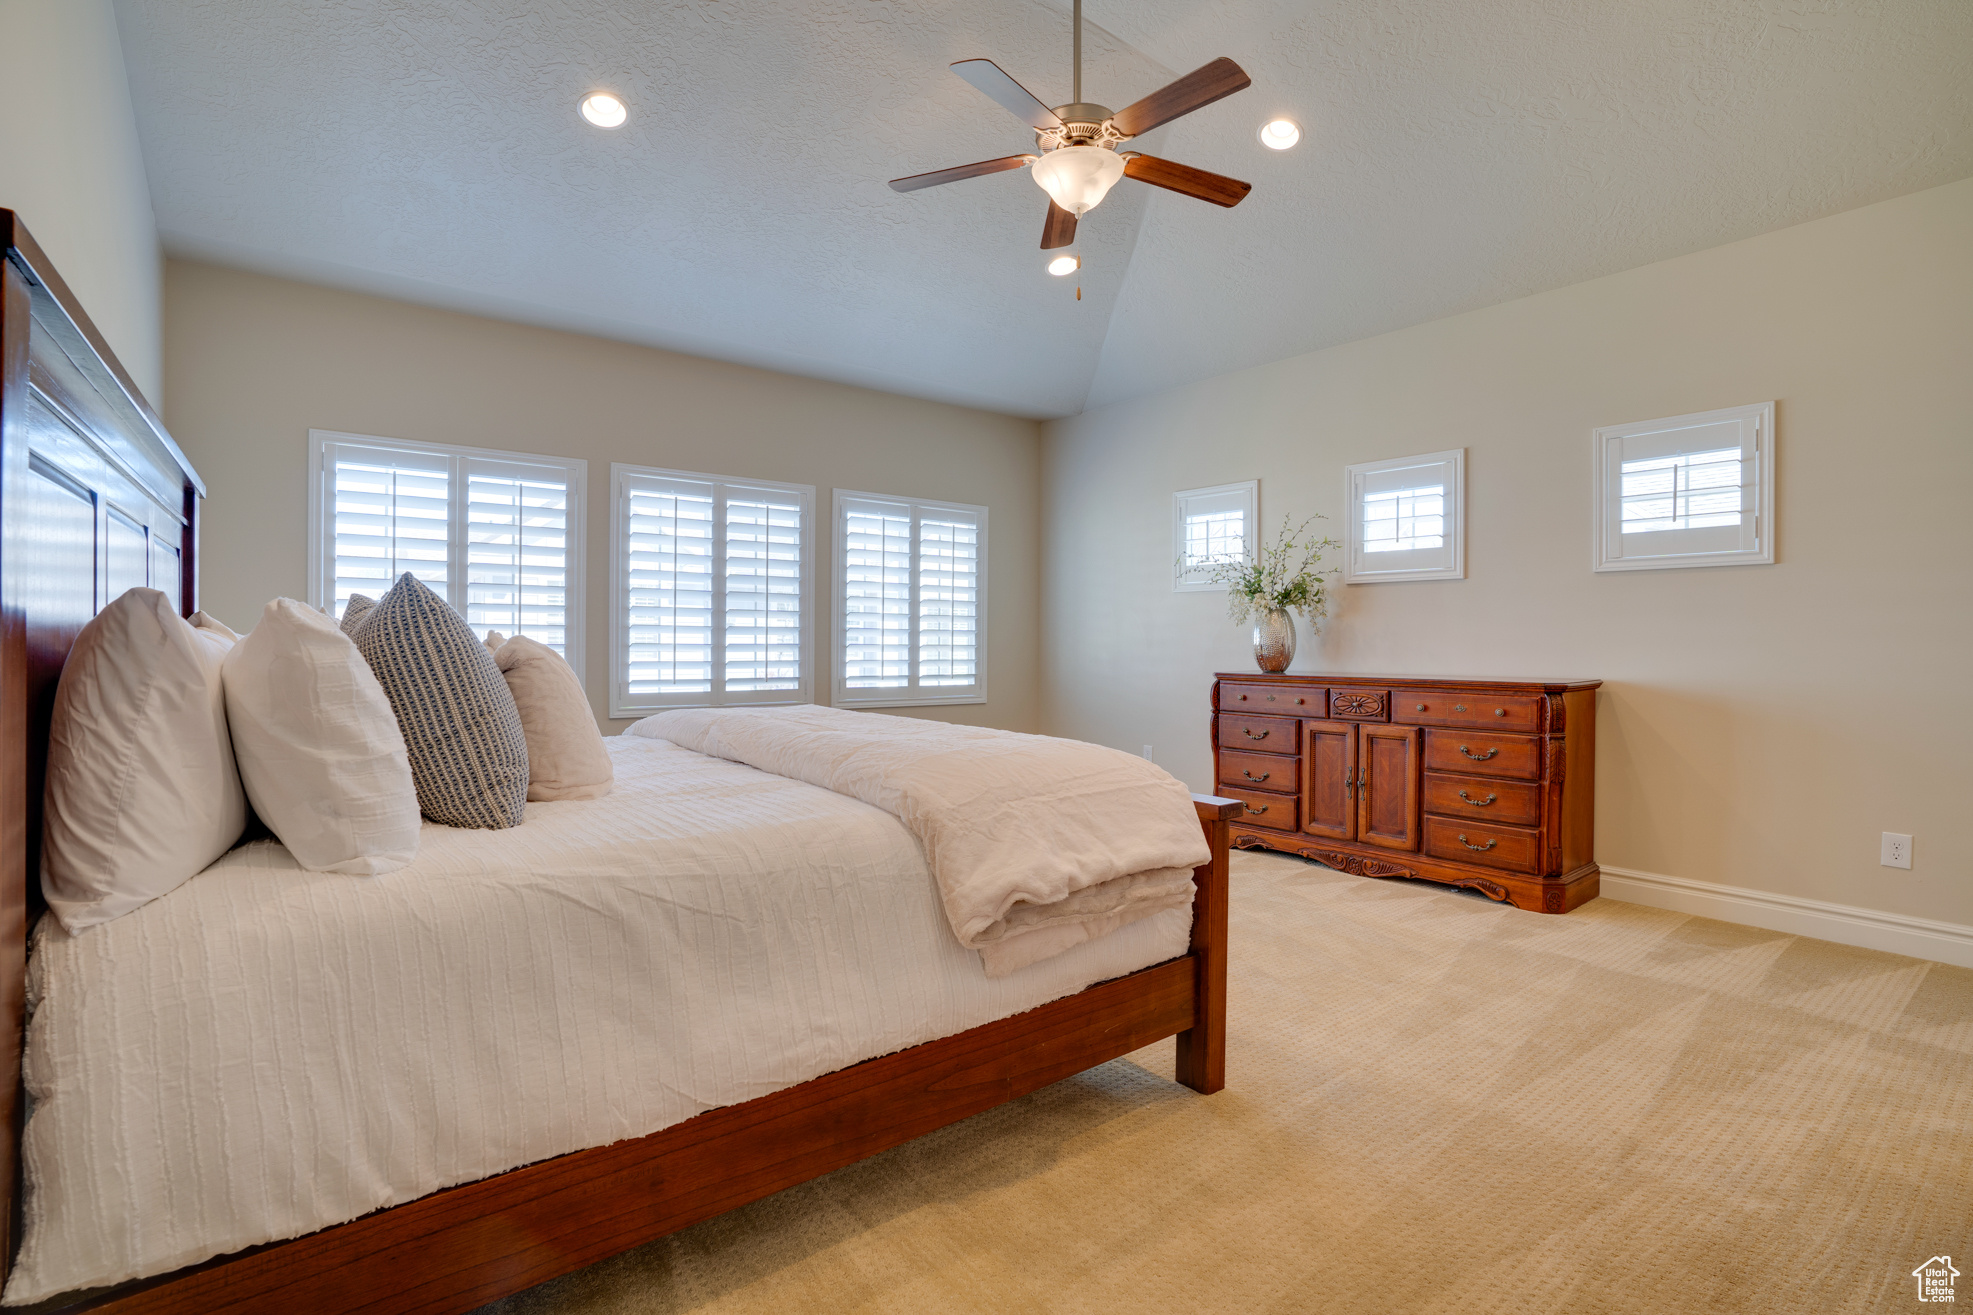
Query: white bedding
(267, 1051)
(1036, 843)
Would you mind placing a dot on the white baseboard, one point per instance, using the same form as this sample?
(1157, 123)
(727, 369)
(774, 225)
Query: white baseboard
(1921, 938)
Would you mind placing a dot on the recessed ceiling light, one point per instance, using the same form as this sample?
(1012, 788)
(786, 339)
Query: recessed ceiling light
(1064, 265)
(604, 110)
(1280, 134)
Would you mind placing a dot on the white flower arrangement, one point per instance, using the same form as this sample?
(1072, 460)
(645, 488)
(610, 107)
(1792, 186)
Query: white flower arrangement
(1286, 576)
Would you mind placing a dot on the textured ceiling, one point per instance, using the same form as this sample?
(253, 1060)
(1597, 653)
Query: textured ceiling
(1456, 154)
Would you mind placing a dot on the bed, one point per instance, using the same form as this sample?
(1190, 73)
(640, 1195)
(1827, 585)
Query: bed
(98, 498)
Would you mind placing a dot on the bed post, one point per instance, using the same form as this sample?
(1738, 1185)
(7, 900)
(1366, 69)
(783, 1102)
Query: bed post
(15, 771)
(1202, 1047)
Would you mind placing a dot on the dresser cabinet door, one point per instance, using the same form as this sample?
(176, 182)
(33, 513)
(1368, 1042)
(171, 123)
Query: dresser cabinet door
(1329, 779)
(1387, 798)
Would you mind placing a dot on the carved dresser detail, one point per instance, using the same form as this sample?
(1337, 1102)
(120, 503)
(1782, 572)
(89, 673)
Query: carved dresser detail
(1486, 784)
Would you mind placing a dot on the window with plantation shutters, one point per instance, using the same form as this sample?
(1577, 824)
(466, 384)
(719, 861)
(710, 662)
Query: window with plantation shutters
(496, 534)
(1212, 528)
(1692, 490)
(711, 590)
(910, 602)
(1405, 518)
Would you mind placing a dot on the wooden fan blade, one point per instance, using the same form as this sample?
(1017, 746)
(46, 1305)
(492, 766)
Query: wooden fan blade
(1217, 188)
(1199, 88)
(1059, 229)
(937, 176)
(1007, 93)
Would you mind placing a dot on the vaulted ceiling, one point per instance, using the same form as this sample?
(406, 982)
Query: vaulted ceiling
(1456, 153)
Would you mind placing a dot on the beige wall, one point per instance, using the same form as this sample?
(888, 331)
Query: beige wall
(71, 168)
(1759, 726)
(253, 363)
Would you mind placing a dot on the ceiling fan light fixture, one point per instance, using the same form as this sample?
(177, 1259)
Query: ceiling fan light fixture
(1280, 134)
(1064, 265)
(603, 110)
(1077, 178)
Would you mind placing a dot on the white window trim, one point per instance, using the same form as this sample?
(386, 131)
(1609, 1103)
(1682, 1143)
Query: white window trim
(1252, 489)
(937, 695)
(321, 514)
(1761, 554)
(1356, 570)
(621, 704)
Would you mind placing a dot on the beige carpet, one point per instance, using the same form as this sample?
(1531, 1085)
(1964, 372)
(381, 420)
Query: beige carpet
(1434, 1104)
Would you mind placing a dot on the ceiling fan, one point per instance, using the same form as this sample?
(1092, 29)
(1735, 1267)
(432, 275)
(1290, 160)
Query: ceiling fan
(1079, 161)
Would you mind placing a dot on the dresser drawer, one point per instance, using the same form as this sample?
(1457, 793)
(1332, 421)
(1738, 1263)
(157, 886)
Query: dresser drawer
(1273, 700)
(1266, 734)
(1483, 799)
(1259, 771)
(1500, 712)
(1356, 704)
(1510, 848)
(1479, 754)
(1276, 812)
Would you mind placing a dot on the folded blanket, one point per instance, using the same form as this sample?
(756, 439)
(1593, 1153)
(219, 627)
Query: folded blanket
(1037, 844)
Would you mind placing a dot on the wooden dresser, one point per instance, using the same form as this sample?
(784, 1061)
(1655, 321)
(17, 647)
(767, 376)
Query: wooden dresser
(1489, 784)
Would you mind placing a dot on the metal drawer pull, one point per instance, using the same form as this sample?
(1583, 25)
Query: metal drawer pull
(1250, 735)
(1264, 807)
(1479, 757)
(1255, 779)
(1478, 803)
(1421, 707)
(1491, 842)
(1500, 712)
(1459, 707)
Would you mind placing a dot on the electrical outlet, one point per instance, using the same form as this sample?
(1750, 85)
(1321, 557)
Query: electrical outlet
(1147, 753)
(1896, 851)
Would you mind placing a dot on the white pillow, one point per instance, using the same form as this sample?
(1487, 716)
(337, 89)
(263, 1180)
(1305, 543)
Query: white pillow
(209, 622)
(320, 752)
(566, 757)
(142, 791)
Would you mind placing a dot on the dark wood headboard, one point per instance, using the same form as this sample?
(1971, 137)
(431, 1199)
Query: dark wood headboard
(95, 498)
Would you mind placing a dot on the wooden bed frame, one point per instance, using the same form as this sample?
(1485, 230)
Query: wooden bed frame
(94, 498)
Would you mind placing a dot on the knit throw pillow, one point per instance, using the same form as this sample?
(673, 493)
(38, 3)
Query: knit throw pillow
(469, 758)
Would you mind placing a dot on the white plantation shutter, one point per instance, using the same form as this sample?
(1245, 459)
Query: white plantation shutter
(1404, 518)
(392, 513)
(517, 552)
(948, 596)
(668, 547)
(911, 601)
(712, 579)
(763, 579)
(496, 534)
(1211, 527)
(876, 611)
(1683, 491)
(1693, 490)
